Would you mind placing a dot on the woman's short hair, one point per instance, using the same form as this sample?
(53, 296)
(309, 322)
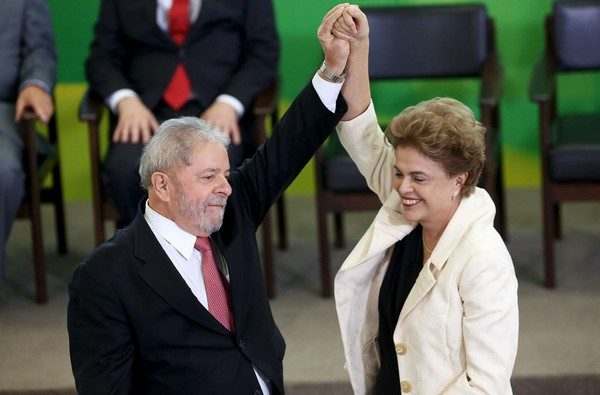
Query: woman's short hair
(446, 131)
(173, 144)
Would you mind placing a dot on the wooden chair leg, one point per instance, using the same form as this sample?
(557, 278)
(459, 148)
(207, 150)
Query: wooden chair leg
(323, 251)
(282, 223)
(557, 222)
(549, 232)
(39, 266)
(267, 252)
(340, 241)
(59, 210)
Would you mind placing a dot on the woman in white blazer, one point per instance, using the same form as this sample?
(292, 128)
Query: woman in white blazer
(427, 300)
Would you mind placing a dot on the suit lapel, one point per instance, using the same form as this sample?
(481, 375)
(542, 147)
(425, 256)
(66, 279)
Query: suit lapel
(455, 230)
(150, 18)
(210, 12)
(160, 275)
(423, 285)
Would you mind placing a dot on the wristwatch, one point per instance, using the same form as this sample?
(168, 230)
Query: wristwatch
(329, 75)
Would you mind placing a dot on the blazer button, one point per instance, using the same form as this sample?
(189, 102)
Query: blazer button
(241, 344)
(181, 53)
(405, 386)
(258, 392)
(400, 348)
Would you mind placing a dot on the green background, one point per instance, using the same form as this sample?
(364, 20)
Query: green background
(519, 32)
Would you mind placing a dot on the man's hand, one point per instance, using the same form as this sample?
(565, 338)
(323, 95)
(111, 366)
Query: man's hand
(223, 116)
(136, 122)
(38, 100)
(335, 48)
(353, 23)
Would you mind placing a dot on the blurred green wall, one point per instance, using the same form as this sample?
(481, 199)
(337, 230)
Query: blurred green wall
(519, 34)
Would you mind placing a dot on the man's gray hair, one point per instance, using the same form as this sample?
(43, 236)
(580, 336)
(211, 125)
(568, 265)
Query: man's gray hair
(173, 144)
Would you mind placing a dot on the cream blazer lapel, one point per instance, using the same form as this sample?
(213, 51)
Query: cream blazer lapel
(478, 202)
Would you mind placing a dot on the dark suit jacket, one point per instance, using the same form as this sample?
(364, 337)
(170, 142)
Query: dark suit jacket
(232, 48)
(135, 326)
(26, 45)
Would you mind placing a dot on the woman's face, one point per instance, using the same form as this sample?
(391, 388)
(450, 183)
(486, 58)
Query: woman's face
(429, 195)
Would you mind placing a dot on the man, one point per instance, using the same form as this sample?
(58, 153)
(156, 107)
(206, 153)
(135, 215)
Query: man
(27, 77)
(155, 60)
(175, 302)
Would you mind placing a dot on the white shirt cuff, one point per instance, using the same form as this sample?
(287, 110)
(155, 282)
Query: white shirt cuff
(328, 91)
(233, 102)
(113, 100)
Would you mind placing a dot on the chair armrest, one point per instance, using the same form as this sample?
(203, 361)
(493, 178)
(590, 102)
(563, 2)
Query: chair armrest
(30, 118)
(29, 115)
(90, 107)
(266, 101)
(542, 85)
(491, 84)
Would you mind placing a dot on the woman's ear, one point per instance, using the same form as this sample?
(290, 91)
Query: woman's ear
(460, 181)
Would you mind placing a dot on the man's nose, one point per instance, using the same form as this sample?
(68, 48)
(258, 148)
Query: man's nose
(224, 187)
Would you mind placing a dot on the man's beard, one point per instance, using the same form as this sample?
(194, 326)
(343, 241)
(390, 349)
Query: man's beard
(205, 222)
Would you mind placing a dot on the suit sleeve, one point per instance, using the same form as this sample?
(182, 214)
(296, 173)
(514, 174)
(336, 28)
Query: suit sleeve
(39, 56)
(106, 63)
(260, 54)
(295, 139)
(100, 339)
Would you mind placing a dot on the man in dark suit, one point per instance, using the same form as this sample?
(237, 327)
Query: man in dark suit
(175, 303)
(153, 60)
(27, 77)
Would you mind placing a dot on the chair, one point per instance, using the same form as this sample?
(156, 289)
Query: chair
(41, 158)
(265, 108)
(339, 188)
(420, 42)
(569, 143)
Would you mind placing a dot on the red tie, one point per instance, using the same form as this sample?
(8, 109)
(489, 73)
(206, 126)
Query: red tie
(179, 89)
(218, 299)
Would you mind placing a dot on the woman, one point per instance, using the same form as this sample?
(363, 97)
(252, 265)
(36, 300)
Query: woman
(427, 300)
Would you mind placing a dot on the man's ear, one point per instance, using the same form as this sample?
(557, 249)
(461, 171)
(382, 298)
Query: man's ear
(161, 184)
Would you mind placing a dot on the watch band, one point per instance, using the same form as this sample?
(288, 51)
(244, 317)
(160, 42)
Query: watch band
(331, 76)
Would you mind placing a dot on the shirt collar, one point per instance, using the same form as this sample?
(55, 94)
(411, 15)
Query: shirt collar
(181, 240)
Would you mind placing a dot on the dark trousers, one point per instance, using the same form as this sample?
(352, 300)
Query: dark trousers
(121, 178)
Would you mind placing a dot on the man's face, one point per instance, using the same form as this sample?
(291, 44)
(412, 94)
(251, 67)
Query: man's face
(201, 190)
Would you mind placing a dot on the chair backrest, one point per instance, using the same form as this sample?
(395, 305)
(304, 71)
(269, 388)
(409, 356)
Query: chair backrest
(427, 41)
(574, 34)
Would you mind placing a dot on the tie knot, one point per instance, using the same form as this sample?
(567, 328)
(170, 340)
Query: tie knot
(202, 244)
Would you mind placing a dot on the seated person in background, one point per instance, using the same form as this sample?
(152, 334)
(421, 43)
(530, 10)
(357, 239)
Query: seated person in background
(427, 300)
(155, 60)
(27, 77)
(175, 303)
